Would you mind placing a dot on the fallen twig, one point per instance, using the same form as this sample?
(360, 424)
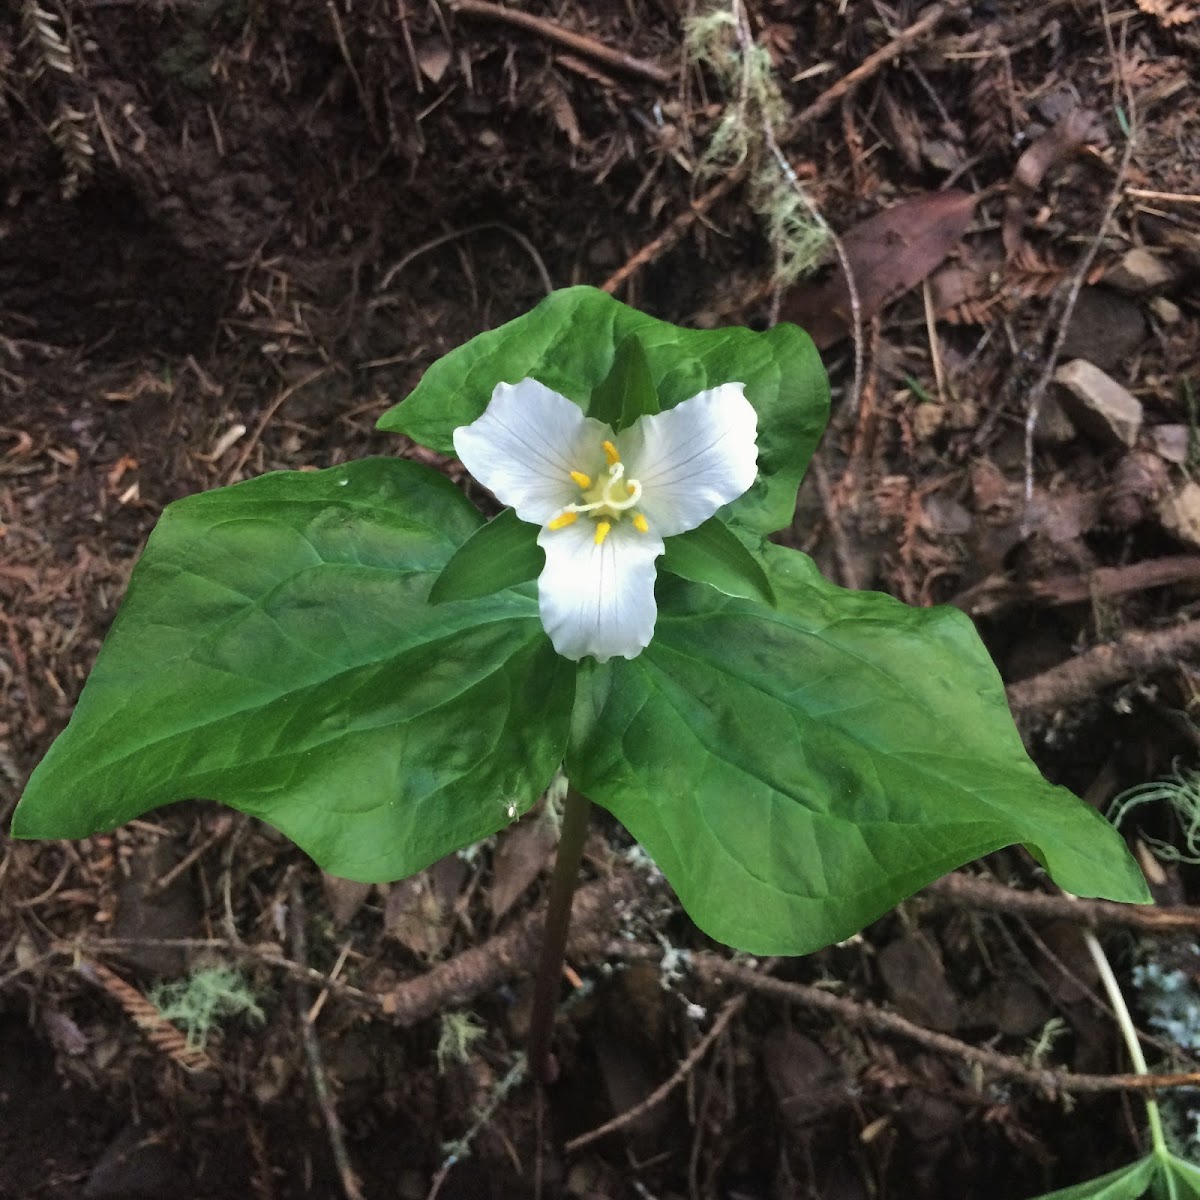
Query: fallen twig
(714, 968)
(1079, 679)
(871, 65)
(998, 594)
(1083, 267)
(397, 268)
(617, 59)
(660, 1093)
(598, 909)
(268, 415)
(160, 1033)
(351, 1187)
(514, 952)
(973, 892)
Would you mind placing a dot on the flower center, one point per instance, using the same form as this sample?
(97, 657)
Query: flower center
(607, 499)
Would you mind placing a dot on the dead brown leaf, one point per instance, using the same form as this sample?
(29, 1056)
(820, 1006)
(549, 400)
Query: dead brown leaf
(889, 253)
(344, 897)
(522, 854)
(805, 1081)
(419, 912)
(1053, 148)
(913, 973)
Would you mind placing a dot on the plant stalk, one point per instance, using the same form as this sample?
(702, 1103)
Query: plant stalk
(1129, 1033)
(554, 937)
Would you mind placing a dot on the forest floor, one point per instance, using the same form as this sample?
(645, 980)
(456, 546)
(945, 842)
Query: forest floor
(234, 232)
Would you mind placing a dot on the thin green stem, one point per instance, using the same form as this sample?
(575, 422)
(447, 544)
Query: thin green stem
(554, 938)
(1129, 1033)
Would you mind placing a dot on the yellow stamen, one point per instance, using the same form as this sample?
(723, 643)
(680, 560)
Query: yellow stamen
(610, 452)
(631, 488)
(563, 520)
(581, 480)
(602, 528)
(640, 523)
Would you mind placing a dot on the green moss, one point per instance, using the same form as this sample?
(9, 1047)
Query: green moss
(206, 998)
(459, 1032)
(754, 115)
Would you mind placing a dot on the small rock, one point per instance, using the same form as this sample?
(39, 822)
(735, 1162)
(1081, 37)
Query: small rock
(945, 517)
(1098, 404)
(1179, 513)
(1140, 272)
(1105, 327)
(1138, 483)
(1165, 310)
(943, 154)
(1053, 426)
(927, 419)
(433, 57)
(135, 1164)
(1171, 442)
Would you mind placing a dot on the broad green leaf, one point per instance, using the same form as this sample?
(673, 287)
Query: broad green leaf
(275, 653)
(627, 391)
(569, 342)
(498, 555)
(712, 554)
(1128, 1183)
(1181, 1179)
(797, 771)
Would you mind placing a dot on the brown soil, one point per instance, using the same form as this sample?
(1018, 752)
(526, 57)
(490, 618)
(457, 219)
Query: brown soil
(229, 214)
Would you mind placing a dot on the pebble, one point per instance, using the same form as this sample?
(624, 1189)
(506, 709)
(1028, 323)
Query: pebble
(1138, 272)
(1179, 513)
(1098, 404)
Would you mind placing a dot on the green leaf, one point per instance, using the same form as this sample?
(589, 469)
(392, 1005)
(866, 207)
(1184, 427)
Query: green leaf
(275, 653)
(712, 554)
(627, 391)
(1181, 1178)
(501, 554)
(1128, 1183)
(569, 343)
(797, 771)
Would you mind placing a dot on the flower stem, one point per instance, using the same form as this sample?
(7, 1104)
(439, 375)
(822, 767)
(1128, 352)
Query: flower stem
(554, 937)
(1129, 1033)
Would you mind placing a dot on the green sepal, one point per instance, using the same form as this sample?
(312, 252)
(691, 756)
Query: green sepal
(501, 554)
(713, 554)
(627, 392)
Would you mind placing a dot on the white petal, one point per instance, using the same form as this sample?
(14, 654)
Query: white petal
(693, 458)
(525, 446)
(598, 600)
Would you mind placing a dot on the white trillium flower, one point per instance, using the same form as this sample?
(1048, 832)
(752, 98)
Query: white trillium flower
(605, 501)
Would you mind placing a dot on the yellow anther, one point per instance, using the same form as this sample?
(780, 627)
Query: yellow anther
(563, 520)
(640, 523)
(631, 488)
(610, 452)
(602, 528)
(581, 480)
